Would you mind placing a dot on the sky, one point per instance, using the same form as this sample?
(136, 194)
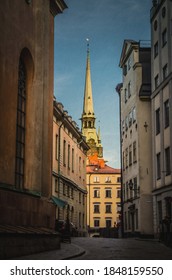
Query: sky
(107, 23)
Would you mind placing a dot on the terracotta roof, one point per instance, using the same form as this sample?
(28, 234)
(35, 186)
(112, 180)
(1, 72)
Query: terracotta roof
(104, 170)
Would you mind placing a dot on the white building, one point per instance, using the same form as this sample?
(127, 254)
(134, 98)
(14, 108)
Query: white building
(135, 114)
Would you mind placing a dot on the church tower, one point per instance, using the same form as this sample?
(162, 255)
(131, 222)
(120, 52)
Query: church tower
(88, 117)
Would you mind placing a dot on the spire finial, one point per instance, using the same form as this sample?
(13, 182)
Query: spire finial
(88, 45)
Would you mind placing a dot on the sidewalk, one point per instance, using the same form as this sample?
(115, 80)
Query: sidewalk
(66, 252)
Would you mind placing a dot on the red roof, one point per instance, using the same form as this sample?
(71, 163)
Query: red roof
(102, 170)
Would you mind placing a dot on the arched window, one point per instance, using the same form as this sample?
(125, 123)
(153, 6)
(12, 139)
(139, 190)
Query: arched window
(20, 126)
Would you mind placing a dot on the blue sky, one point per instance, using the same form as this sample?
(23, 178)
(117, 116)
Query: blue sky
(107, 23)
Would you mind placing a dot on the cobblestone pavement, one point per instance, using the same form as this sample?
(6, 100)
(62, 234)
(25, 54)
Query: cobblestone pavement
(123, 249)
(83, 248)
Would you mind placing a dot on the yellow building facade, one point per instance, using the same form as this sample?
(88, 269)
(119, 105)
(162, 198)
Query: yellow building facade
(103, 199)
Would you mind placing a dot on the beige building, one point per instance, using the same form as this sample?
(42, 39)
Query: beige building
(161, 30)
(26, 112)
(135, 114)
(69, 170)
(103, 199)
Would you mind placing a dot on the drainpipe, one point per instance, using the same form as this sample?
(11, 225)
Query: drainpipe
(118, 90)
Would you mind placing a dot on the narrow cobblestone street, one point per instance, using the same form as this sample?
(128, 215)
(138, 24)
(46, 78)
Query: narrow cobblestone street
(122, 249)
(84, 248)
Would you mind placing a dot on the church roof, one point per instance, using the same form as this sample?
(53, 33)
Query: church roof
(102, 170)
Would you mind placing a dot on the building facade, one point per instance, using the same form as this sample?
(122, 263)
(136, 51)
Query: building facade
(135, 117)
(69, 170)
(26, 112)
(103, 199)
(161, 99)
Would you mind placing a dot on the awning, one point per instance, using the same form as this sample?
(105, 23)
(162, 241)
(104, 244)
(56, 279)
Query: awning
(59, 202)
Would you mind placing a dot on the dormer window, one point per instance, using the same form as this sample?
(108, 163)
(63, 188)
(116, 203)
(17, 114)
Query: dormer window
(125, 70)
(129, 63)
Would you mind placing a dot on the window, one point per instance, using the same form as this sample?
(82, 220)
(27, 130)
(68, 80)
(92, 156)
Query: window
(134, 114)
(167, 161)
(56, 147)
(108, 208)
(96, 193)
(131, 188)
(127, 190)
(96, 179)
(107, 180)
(20, 126)
(165, 71)
(134, 152)
(166, 113)
(126, 123)
(108, 223)
(126, 157)
(72, 194)
(130, 118)
(129, 90)
(79, 164)
(156, 49)
(135, 187)
(96, 223)
(56, 186)
(126, 95)
(163, 12)
(68, 157)
(125, 70)
(107, 193)
(123, 160)
(118, 193)
(64, 152)
(156, 81)
(79, 197)
(157, 118)
(118, 208)
(129, 63)
(130, 155)
(73, 160)
(158, 166)
(64, 189)
(118, 179)
(68, 191)
(164, 37)
(83, 199)
(96, 208)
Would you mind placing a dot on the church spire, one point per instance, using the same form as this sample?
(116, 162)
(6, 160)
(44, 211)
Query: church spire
(88, 109)
(88, 117)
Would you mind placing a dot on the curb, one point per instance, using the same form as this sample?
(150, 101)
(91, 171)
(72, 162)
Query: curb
(75, 255)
